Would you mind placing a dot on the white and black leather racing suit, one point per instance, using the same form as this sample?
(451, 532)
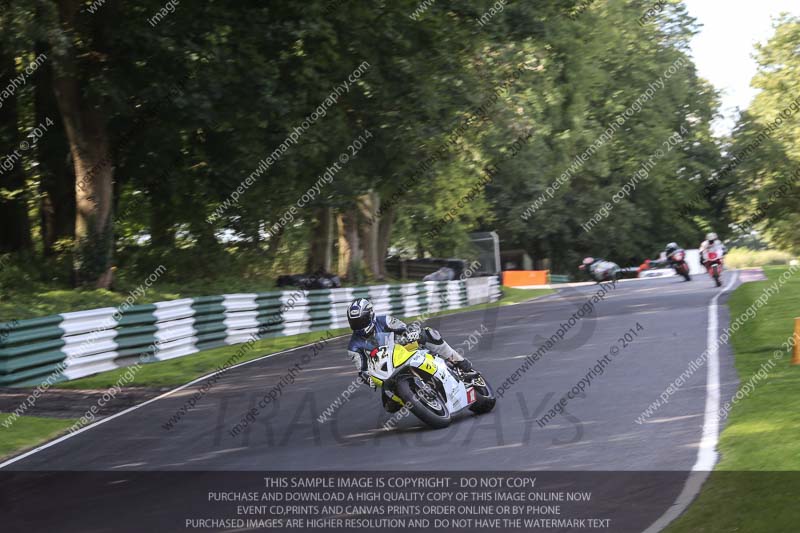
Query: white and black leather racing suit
(711, 246)
(602, 270)
(360, 347)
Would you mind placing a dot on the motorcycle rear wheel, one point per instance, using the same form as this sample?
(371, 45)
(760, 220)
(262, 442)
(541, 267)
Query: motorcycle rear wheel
(425, 402)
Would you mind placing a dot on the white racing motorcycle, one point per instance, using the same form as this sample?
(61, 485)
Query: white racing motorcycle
(431, 388)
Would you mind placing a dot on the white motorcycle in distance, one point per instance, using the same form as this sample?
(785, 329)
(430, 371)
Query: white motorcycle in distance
(601, 270)
(712, 259)
(432, 389)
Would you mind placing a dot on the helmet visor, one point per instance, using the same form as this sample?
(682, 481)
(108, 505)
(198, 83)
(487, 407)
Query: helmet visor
(361, 324)
(367, 331)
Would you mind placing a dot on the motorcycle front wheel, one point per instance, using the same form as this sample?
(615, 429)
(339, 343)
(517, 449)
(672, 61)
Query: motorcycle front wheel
(484, 396)
(425, 401)
(715, 273)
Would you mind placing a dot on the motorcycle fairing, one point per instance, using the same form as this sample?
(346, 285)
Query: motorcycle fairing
(381, 367)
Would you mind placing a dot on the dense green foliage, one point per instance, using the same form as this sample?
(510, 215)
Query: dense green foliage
(209, 137)
(763, 190)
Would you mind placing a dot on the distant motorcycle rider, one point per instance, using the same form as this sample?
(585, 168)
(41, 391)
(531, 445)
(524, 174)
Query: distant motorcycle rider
(371, 331)
(664, 259)
(600, 269)
(675, 257)
(670, 249)
(711, 244)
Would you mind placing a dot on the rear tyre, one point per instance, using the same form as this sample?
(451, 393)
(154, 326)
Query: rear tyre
(484, 396)
(425, 402)
(686, 276)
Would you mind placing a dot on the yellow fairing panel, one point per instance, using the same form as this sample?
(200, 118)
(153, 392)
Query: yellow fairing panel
(429, 365)
(401, 355)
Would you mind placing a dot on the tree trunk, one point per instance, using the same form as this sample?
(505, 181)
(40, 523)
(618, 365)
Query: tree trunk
(86, 127)
(273, 245)
(343, 257)
(205, 235)
(15, 230)
(162, 232)
(57, 185)
(321, 249)
(349, 247)
(369, 204)
(384, 238)
(329, 234)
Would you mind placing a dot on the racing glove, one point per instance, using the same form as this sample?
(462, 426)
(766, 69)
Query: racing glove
(365, 379)
(412, 333)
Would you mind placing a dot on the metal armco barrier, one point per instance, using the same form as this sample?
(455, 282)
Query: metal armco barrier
(73, 345)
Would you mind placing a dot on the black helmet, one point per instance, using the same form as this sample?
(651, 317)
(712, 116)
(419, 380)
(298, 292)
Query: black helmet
(361, 317)
(671, 247)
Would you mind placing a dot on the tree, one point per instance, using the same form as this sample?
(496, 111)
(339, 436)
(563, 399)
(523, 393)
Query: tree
(15, 235)
(762, 189)
(57, 181)
(79, 53)
(179, 141)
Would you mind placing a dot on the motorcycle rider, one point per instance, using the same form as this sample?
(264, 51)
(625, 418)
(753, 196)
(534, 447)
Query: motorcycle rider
(600, 269)
(664, 259)
(371, 331)
(675, 257)
(670, 249)
(711, 243)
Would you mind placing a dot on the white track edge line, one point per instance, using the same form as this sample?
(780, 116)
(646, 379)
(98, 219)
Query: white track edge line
(707, 451)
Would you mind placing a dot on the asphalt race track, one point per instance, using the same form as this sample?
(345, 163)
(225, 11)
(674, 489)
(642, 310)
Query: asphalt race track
(598, 431)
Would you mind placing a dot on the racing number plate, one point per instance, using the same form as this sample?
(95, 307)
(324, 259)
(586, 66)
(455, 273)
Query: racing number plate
(470, 395)
(428, 366)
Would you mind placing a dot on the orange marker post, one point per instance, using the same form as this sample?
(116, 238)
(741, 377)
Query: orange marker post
(796, 349)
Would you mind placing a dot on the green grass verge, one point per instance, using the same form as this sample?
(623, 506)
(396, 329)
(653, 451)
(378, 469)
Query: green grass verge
(744, 258)
(184, 369)
(748, 492)
(28, 431)
(511, 296)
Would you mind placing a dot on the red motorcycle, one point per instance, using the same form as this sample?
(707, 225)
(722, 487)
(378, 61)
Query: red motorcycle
(713, 265)
(678, 261)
